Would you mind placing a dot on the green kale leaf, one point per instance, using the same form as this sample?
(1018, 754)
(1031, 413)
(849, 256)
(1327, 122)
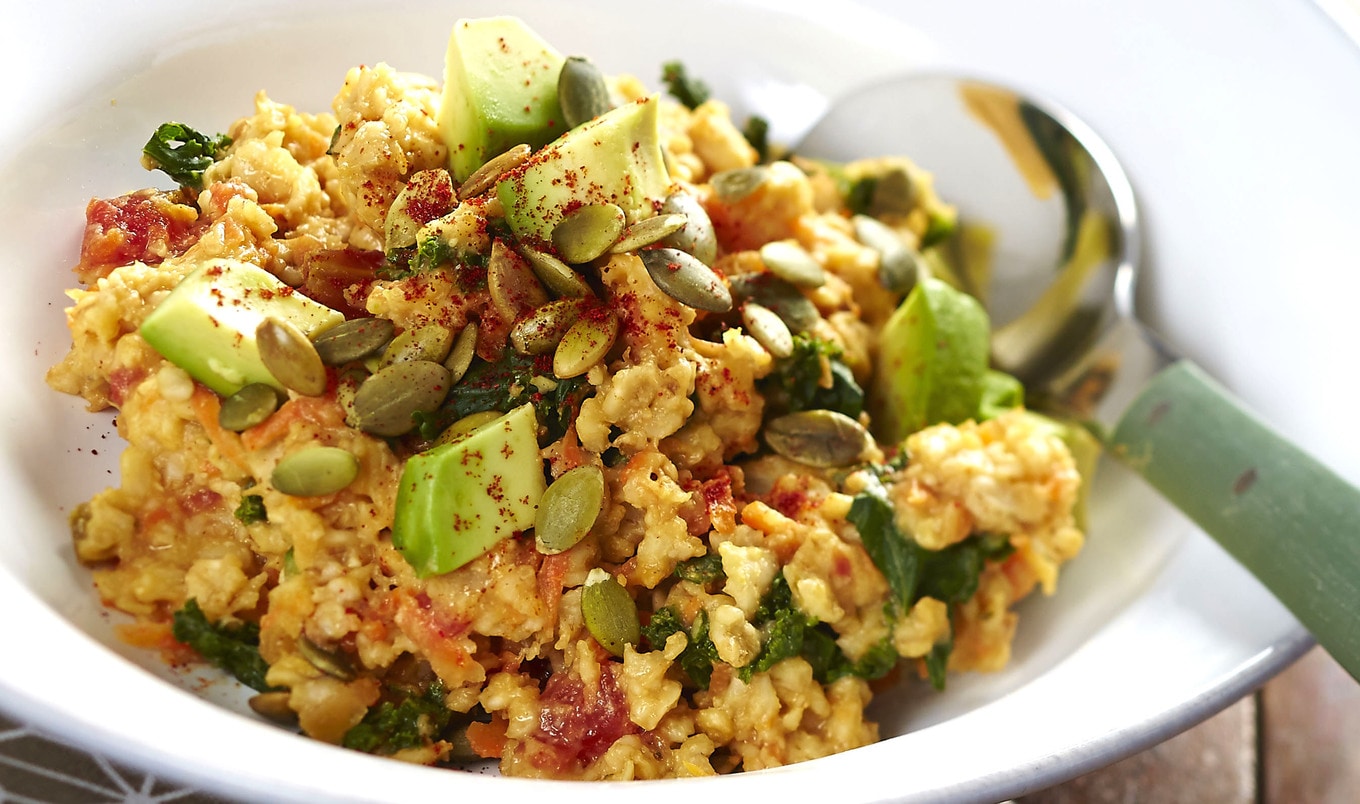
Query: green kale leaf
(233, 648)
(690, 91)
(795, 382)
(412, 722)
(183, 153)
(504, 386)
(757, 132)
(699, 654)
(251, 510)
(702, 569)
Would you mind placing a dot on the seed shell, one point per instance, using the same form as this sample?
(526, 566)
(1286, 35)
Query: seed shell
(386, 403)
(429, 342)
(428, 195)
(791, 262)
(823, 438)
(648, 231)
(541, 331)
(568, 509)
(697, 236)
(733, 185)
(556, 275)
(767, 328)
(787, 301)
(290, 357)
(585, 343)
(587, 232)
(686, 279)
(581, 91)
(484, 177)
(460, 356)
(610, 613)
(248, 407)
(511, 282)
(353, 340)
(898, 266)
(315, 471)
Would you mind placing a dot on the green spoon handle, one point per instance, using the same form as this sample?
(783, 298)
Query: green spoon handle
(1291, 521)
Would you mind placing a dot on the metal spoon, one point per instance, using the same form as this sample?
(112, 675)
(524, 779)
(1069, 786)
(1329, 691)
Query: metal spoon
(1059, 286)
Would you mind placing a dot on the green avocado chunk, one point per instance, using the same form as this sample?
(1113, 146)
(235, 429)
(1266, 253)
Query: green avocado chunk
(500, 90)
(933, 361)
(207, 324)
(612, 159)
(457, 500)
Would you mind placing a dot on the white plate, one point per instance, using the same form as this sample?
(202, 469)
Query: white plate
(1236, 123)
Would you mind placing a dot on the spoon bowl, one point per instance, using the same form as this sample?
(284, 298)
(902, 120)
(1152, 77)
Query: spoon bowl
(1048, 239)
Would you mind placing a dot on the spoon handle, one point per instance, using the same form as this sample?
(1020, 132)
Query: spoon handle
(1294, 523)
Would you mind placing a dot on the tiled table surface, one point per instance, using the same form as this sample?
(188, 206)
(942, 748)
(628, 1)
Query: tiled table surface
(1297, 741)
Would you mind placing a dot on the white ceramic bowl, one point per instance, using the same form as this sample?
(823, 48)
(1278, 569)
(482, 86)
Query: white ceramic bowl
(1236, 124)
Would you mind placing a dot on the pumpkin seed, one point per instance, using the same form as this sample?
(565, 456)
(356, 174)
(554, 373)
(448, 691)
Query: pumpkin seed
(585, 343)
(458, 430)
(427, 195)
(733, 185)
(513, 287)
(581, 91)
(248, 407)
(787, 301)
(332, 663)
(430, 342)
(648, 231)
(792, 263)
(541, 331)
(697, 236)
(485, 176)
(824, 438)
(568, 509)
(353, 340)
(894, 194)
(898, 266)
(315, 471)
(273, 706)
(687, 280)
(290, 357)
(460, 356)
(587, 232)
(767, 328)
(555, 274)
(386, 402)
(609, 612)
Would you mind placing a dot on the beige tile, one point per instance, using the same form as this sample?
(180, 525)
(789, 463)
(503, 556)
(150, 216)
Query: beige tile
(1311, 731)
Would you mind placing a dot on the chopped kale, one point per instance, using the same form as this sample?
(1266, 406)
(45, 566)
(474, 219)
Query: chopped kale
(757, 132)
(702, 569)
(829, 663)
(335, 138)
(182, 153)
(251, 510)
(690, 91)
(428, 254)
(504, 386)
(699, 654)
(391, 726)
(795, 382)
(939, 228)
(233, 648)
(859, 194)
(913, 572)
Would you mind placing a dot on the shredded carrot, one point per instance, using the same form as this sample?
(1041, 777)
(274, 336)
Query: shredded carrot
(317, 410)
(550, 574)
(206, 409)
(487, 740)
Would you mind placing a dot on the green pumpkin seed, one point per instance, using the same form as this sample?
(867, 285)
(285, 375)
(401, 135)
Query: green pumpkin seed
(460, 429)
(697, 236)
(648, 231)
(315, 471)
(585, 343)
(587, 232)
(510, 281)
(767, 328)
(353, 340)
(791, 262)
(894, 194)
(248, 407)
(332, 663)
(733, 185)
(568, 509)
(273, 706)
(898, 266)
(484, 177)
(386, 402)
(609, 612)
(823, 438)
(290, 357)
(541, 331)
(427, 195)
(460, 356)
(581, 91)
(430, 342)
(556, 275)
(687, 280)
(787, 301)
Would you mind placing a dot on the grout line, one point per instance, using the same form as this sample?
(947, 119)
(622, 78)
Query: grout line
(1260, 745)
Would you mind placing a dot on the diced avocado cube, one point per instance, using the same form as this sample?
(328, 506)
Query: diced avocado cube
(500, 90)
(207, 324)
(457, 500)
(613, 159)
